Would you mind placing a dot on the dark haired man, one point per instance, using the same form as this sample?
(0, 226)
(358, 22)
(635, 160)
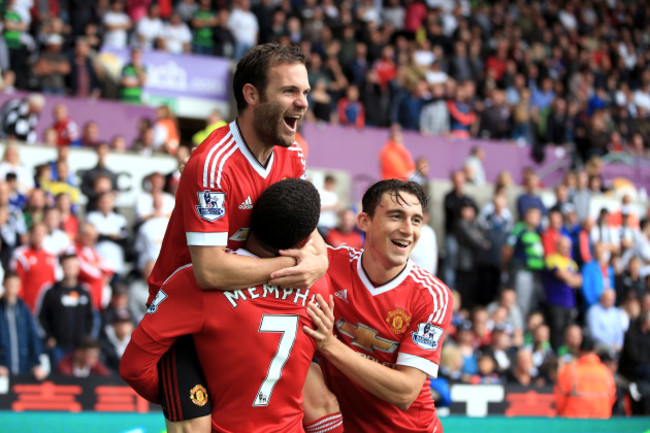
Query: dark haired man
(260, 391)
(391, 318)
(232, 167)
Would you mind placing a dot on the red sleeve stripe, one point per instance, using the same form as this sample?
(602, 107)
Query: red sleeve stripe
(220, 147)
(439, 294)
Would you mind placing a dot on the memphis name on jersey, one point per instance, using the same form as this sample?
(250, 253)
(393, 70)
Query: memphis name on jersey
(235, 297)
(297, 296)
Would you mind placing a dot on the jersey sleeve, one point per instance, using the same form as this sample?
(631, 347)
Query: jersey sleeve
(177, 310)
(204, 196)
(422, 343)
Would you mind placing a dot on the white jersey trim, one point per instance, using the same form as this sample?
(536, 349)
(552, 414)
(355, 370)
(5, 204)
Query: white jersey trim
(218, 159)
(439, 295)
(395, 282)
(201, 239)
(422, 364)
(262, 171)
(208, 177)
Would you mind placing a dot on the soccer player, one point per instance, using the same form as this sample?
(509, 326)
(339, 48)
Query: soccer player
(218, 188)
(391, 318)
(250, 342)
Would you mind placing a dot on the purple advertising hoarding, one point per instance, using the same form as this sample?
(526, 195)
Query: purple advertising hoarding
(180, 75)
(357, 151)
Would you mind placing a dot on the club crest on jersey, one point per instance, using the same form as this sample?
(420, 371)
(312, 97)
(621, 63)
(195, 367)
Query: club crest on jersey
(211, 205)
(398, 320)
(199, 395)
(160, 296)
(428, 336)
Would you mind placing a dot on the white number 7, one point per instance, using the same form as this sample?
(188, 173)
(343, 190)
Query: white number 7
(288, 325)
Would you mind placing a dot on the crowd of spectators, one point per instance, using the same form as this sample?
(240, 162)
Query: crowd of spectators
(74, 267)
(528, 284)
(561, 73)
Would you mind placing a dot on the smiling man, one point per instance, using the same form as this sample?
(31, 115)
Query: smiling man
(218, 188)
(391, 318)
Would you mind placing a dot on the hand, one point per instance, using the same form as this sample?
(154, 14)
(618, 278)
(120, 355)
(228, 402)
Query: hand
(322, 315)
(39, 373)
(4, 371)
(310, 266)
(51, 342)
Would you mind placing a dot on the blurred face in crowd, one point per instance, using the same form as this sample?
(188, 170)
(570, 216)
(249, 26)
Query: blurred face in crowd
(70, 267)
(37, 235)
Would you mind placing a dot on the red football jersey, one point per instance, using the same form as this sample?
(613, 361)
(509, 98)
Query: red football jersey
(36, 269)
(219, 186)
(402, 322)
(250, 343)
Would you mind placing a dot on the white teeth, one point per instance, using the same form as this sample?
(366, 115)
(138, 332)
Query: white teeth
(401, 243)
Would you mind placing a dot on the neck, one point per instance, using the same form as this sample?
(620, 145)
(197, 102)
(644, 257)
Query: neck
(69, 281)
(258, 148)
(255, 246)
(377, 271)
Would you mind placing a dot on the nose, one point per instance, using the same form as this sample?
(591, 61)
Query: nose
(302, 102)
(407, 227)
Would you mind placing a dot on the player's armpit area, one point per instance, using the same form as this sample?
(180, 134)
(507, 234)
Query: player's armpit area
(215, 269)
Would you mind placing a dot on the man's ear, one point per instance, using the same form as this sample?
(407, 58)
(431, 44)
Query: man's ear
(363, 221)
(251, 95)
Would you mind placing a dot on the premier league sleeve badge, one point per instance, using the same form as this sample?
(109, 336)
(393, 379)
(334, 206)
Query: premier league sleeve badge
(212, 205)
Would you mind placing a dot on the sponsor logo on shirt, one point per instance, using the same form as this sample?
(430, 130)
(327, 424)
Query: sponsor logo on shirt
(427, 336)
(246, 204)
(342, 295)
(211, 205)
(160, 296)
(398, 320)
(366, 338)
(199, 395)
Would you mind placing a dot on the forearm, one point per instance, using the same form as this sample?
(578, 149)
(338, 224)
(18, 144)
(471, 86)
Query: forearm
(391, 386)
(223, 271)
(139, 369)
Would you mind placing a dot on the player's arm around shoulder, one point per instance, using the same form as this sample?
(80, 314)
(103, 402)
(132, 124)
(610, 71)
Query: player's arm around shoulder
(399, 387)
(311, 263)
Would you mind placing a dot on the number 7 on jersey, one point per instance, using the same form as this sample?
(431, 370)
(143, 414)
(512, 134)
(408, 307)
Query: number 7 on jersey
(288, 326)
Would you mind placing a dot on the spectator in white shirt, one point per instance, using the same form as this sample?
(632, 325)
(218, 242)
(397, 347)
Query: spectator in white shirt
(425, 252)
(329, 205)
(244, 27)
(150, 28)
(148, 240)
(56, 241)
(144, 206)
(116, 26)
(176, 36)
(112, 231)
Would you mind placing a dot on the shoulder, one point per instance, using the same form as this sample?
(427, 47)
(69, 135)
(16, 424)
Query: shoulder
(433, 293)
(343, 253)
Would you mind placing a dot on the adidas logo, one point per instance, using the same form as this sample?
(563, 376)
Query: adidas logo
(247, 204)
(342, 295)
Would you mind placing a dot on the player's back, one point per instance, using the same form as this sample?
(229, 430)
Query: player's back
(256, 357)
(218, 188)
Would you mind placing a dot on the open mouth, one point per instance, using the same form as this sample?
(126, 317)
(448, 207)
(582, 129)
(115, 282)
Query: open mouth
(292, 122)
(401, 244)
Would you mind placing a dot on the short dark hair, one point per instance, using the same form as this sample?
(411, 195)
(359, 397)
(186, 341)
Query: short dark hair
(394, 187)
(254, 67)
(286, 213)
